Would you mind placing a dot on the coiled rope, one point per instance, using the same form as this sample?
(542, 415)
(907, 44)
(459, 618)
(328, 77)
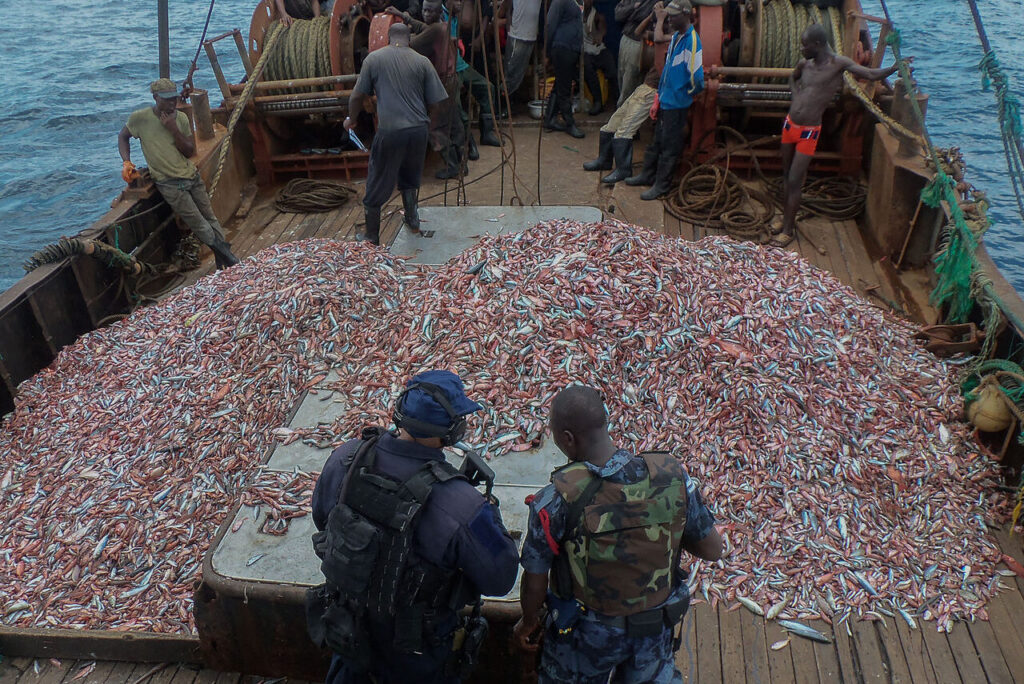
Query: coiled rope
(783, 24)
(308, 196)
(303, 50)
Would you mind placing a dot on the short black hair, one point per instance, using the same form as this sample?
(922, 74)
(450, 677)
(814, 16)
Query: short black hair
(578, 409)
(816, 34)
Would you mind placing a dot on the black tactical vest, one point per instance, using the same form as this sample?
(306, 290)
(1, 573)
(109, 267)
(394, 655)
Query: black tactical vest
(372, 571)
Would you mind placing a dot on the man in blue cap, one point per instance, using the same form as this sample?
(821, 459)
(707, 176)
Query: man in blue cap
(406, 542)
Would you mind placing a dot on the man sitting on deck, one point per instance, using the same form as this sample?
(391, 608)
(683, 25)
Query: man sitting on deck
(814, 82)
(609, 528)
(167, 144)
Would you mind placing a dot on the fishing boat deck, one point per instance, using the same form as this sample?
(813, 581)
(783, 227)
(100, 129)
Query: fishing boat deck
(727, 646)
(720, 645)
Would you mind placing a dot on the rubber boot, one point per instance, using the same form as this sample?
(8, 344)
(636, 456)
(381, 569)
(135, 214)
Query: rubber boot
(663, 182)
(604, 154)
(412, 215)
(222, 254)
(487, 135)
(371, 233)
(451, 156)
(648, 170)
(596, 108)
(570, 125)
(622, 148)
(551, 116)
(472, 153)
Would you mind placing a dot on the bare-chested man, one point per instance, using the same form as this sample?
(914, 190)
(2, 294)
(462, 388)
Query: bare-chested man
(815, 81)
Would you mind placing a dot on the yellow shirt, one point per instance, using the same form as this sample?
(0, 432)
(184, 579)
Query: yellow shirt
(163, 158)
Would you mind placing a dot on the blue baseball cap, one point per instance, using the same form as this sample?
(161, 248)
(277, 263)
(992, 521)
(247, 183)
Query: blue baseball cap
(421, 406)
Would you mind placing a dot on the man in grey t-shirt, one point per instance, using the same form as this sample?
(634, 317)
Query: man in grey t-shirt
(406, 86)
(522, 36)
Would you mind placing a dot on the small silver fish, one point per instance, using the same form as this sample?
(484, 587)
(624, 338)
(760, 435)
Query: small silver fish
(750, 605)
(803, 630)
(778, 645)
(254, 559)
(776, 609)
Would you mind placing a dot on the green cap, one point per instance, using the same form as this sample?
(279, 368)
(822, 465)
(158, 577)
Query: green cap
(164, 87)
(678, 7)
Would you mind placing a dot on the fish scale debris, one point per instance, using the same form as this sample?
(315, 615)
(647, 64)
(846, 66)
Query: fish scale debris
(824, 439)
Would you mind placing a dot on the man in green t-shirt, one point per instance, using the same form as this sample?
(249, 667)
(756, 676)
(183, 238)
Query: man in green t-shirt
(166, 141)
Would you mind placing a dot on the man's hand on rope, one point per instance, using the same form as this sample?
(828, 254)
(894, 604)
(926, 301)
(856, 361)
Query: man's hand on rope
(128, 172)
(286, 20)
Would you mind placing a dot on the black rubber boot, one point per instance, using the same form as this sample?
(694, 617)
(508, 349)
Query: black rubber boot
(604, 154)
(371, 233)
(596, 108)
(412, 214)
(622, 148)
(487, 135)
(570, 125)
(663, 182)
(649, 170)
(551, 116)
(222, 254)
(451, 155)
(472, 153)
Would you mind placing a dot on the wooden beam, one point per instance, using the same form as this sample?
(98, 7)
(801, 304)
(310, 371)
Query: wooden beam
(142, 647)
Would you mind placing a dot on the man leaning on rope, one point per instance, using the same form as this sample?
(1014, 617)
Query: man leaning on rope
(167, 144)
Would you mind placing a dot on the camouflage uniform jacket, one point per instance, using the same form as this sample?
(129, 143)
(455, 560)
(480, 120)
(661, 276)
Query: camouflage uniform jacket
(624, 468)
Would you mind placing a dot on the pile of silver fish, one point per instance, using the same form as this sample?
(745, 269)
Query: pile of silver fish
(826, 442)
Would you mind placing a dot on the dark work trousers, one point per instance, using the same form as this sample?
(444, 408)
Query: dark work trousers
(396, 157)
(603, 61)
(670, 134)
(566, 64)
(480, 89)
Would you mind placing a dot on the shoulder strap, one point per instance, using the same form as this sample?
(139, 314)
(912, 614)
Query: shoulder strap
(425, 478)
(660, 466)
(366, 449)
(574, 515)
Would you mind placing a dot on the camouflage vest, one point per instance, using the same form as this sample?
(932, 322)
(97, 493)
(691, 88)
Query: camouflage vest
(621, 551)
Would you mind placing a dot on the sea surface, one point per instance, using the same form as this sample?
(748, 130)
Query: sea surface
(72, 72)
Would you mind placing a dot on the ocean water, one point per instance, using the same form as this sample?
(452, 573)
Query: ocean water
(71, 73)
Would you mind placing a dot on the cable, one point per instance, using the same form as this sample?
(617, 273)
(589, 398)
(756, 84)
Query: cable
(308, 196)
(187, 83)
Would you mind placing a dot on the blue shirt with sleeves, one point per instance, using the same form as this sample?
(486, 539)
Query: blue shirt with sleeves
(682, 79)
(453, 25)
(457, 528)
(622, 468)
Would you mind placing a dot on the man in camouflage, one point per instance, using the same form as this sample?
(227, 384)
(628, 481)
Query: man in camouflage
(610, 527)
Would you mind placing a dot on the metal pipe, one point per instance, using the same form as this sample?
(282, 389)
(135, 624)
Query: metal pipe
(297, 83)
(164, 40)
(776, 87)
(342, 95)
(757, 72)
(225, 87)
(242, 52)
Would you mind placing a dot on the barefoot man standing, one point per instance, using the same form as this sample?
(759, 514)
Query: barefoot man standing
(814, 82)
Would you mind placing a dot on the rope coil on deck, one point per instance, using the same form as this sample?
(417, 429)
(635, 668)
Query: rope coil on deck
(308, 196)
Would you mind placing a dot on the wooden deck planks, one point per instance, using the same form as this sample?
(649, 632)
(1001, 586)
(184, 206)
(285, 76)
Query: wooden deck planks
(709, 644)
(733, 652)
(892, 652)
(992, 660)
(50, 672)
(964, 654)
(781, 663)
(940, 655)
(827, 660)
(755, 650)
(868, 653)
(686, 656)
(915, 652)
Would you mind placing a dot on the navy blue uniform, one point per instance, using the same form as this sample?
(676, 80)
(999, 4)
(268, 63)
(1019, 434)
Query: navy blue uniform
(595, 648)
(457, 529)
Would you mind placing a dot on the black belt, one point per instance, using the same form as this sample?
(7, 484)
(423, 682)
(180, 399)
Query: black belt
(648, 623)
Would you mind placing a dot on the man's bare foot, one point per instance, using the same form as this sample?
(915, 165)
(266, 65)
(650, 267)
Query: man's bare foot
(776, 226)
(781, 240)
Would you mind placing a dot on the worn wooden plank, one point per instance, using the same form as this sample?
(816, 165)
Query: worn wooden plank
(943, 662)
(992, 660)
(964, 654)
(709, 644)
(868, 652)
(50, 672)
(686, 656)
(892, 652)
(1007, 634)
(916, 653)
(733, 652)
(781, 663)
(98, 675)
(98, 644)
(11, 669)
(755, 650)
(827, 660)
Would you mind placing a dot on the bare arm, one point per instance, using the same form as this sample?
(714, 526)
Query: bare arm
(600, 29)
(124, 144)
(709, 548)
(531, 597)
(659, 25)
(794, 75)
(286, 18)
(183, 143)
(864, 72)
(355, 105)
(316, 8)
